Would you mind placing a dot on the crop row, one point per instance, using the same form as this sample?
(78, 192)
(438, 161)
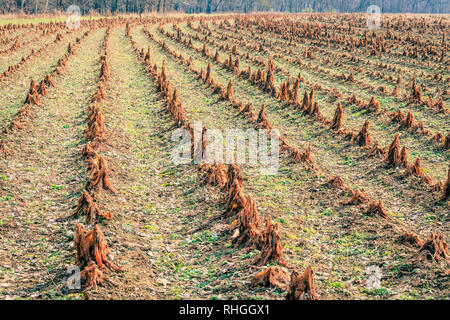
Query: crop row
(375, 208)
(264, 82)
(246, 226)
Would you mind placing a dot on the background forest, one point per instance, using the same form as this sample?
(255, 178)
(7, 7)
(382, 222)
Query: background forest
(212, 6)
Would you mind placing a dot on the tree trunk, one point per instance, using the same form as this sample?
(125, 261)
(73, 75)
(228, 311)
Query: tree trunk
(208, 6)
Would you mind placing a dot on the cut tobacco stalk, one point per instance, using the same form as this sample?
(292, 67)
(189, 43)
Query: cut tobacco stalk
(410, 238)
(272, 276)
(376, 208)
(435, 247)
(270, 244)
(358, 197)
(89, 208)
(301, 286)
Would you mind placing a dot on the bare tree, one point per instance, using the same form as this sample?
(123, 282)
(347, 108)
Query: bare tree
(211, 6)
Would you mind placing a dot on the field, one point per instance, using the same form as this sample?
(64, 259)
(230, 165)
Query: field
(357, 209)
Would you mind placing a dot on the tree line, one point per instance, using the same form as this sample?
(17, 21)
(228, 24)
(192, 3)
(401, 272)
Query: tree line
(217, 6)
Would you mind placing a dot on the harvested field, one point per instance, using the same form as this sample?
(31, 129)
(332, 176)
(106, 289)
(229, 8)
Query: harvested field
(357, 206)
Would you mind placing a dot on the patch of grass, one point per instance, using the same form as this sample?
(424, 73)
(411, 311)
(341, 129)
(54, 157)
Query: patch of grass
(151, 227)
(381, 292)
(6, 198)
(207, 236)
(337, 284)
